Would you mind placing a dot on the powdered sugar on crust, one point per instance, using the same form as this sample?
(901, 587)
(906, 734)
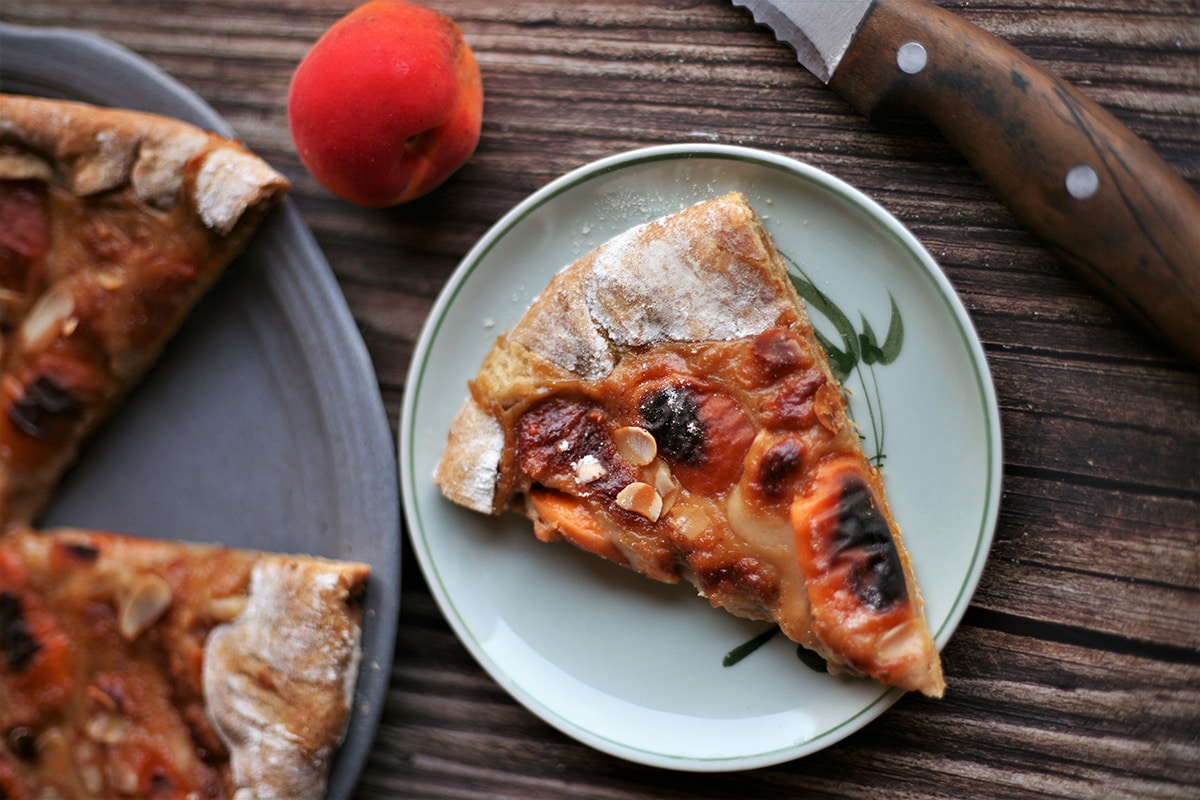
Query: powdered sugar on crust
(470, 466)
(704, 273)
(90, 150)
(278, 680)
(675, 279)
(564, 333)
(229, 182)
(159, 171)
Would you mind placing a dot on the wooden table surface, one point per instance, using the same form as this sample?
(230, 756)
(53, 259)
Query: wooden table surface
(1076, 670)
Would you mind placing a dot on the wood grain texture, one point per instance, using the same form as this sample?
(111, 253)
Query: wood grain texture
(1076, 671)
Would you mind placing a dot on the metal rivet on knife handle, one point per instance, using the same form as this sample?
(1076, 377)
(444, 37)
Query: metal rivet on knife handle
(1082, 182)
(911, 57)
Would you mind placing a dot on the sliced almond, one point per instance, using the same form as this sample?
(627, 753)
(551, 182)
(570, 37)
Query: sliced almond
(635, 445)
(641, 499)
(50, 317)
(109, 280)
(689, 519)
(666, 485)
(141, 605)
(123, 778)
(89, 765)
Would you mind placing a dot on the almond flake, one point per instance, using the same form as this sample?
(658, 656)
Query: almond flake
(145, 600)
(641, 499)
(636, 445)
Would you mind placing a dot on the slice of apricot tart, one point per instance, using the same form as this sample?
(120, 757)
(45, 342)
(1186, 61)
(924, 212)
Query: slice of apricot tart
(665, 404)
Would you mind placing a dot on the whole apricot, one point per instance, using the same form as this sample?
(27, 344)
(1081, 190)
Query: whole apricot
(387, 104)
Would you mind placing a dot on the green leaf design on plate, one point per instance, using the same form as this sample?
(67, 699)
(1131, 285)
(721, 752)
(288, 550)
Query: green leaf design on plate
(746, 648)
(841, 360)
(857, 348)
(875, 353)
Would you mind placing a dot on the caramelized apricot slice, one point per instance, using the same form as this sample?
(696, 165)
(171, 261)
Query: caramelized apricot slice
(856, 583)
(567, 444)
(560, 514)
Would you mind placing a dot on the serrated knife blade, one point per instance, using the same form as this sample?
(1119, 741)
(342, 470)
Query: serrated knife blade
(818, 30)
(1099, 197)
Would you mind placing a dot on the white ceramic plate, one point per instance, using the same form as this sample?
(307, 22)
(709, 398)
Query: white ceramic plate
(262, 424)
(632, 667)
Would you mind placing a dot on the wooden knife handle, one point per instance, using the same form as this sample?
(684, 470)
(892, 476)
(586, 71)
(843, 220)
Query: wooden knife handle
(1099, 196)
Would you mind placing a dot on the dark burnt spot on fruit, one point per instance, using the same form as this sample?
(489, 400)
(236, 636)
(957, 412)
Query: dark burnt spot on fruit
(863, 543)
(555, 436)
(777, 467)
(44, 402)
(161, 784)
(672, 414)
(17, 643)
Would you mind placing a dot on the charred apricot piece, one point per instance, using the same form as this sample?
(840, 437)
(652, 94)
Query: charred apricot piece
(856, 582)
(46, 400)
(703, 433)
(672, 415)
(778, 352)
(35, 653)
(791, 403)
(778, 469)
(17, 642)
(844, 543)
(566, 444)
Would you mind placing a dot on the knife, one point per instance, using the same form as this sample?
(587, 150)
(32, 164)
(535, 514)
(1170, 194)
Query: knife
(1099, 197)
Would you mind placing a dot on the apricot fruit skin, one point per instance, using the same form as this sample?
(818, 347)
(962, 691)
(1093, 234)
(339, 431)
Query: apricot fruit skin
(387, 104)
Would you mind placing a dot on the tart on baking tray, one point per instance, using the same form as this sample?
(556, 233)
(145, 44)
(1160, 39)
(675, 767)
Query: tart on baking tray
(664, 403)
(112, 225)
(140, 667)
(135, 667)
